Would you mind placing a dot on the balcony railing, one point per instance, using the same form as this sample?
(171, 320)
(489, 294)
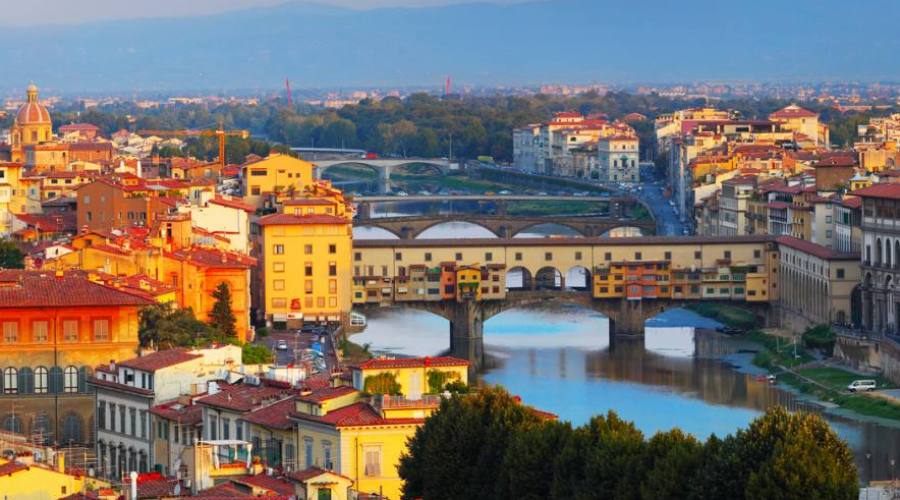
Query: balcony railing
(426, 401)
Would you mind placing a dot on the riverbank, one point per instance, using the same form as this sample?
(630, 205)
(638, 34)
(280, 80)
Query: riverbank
(796, 368)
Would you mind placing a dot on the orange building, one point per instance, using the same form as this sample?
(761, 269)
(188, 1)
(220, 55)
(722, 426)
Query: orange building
(56, 327)
(122, 201)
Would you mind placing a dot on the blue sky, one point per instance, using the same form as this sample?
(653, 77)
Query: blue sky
(35, 12)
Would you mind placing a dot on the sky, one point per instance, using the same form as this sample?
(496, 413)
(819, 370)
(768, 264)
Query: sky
(37, 12)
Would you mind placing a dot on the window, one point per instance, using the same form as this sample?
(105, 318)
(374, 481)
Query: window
(10, 381)
(332, 248)
(668, 256)
(840, 273)
(372, 461)
(213, 427)
(101, 330)
(698, 254)
(112, 417)
(238, 430)
(70, 384)
(607, 256)
(101, 415)
(518, 255)
(727, 254)
(308, 448)
(278, 267)
(326, 455)
(332, 269)
(308, 286)
(332, 286)
(278, 285)
(427, 256)
(577, 255)
(142, 425)
(308, 269)
(638, 256)
(488, 256)
(398, 256)
(132, 418)
(226, 428)
(307, 249)
(458, 256)
(122, 419)
(548, 256)
(70, 330)
(10, 331)
(357, 256)
(40, 380)
(278, 249)
(39, 332)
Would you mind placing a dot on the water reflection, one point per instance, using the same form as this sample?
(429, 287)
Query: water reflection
(561, 359)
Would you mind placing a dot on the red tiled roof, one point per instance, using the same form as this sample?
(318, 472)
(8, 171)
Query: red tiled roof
(54, 223)
(307, 474)
(43, 289)
(223, 490)
(244, 397)
(356, 415)
(852, 202)
(327, 393)
(387, 363)
(159, 360)
(233, 203)
(889, 190)
(274, 416)
(10, 468)
(289, 219)
(190, 414)
(814, 249)
(270, 483)
(209, 257)
(32, 113)
(793, 111)
(117, 386)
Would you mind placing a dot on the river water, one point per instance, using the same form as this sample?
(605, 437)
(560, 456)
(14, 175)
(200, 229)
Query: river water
(561, 359)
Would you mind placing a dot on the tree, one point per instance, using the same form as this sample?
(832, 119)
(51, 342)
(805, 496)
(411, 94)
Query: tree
(529, 461)
(459, 451)
(10, 256)
(221, 317)
(255, 354)
(671, 458)
(163, 326)
(796, 455)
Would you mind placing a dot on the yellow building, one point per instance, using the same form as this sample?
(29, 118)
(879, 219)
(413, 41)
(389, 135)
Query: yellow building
(468, 283)
(411, 377)
(358, 442)
(12, 194)
(30, 481)
(305, 267)
(31, 126)
(275, 175)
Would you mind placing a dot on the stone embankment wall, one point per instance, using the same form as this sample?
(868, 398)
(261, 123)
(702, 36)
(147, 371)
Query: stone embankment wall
(876, 355)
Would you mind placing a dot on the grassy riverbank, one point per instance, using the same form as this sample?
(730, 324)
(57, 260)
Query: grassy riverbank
(728, 315)
(827, 384)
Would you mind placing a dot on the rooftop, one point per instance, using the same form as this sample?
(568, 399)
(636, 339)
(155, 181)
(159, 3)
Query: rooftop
(160, 359)
(289, 219)
(387, 363)
(71, 289)
(887, 190)
(814, 249)
(359, 414)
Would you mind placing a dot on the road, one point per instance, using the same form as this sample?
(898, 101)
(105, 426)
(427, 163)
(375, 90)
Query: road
(297, 342)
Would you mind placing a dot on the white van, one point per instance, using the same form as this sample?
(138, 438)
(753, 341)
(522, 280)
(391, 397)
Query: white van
(861, 385)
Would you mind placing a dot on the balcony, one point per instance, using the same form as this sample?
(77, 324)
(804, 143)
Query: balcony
(397, 402)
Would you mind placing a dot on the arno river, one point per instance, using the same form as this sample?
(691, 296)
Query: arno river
(561, 359)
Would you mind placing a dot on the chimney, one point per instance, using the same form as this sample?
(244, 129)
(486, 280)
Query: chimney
(112, 365)
(61, 462)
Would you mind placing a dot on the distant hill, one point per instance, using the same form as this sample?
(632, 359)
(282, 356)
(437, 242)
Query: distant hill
(559, 40)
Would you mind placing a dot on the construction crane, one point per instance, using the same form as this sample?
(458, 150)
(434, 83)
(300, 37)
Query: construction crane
(219, 133)
(287, 90)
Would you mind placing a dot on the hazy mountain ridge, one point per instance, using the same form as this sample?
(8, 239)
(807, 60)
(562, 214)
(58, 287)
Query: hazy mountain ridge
(561, 40)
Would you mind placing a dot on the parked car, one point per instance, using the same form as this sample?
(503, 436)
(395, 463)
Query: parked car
(861, 385)
(281, 345)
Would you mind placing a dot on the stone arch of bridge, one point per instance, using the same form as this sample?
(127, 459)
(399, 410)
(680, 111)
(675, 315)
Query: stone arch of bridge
(379, 170)
(549, 278)
(434, 167)
(468, 218)
(519, 278)
(524, 229)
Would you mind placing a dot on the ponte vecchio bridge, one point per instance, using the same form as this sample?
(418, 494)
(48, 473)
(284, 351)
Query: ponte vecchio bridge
(629, 280)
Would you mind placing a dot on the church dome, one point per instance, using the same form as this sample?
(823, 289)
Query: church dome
(32, 112)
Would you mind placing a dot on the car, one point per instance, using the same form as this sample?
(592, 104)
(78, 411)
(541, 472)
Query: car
(281, 345)
(861, 385)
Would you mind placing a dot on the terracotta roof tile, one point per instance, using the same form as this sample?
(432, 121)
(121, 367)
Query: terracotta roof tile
(274, 484)
(814, 249)
(307, 474)
(159, 360)
(359, 414)
(232, 203)
(327, 393)
(274, 416)
(71, 289)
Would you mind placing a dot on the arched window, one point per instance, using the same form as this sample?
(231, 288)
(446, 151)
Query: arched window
(40, 380)
(70, 379)
(72, 429)
(12, 423)
(10, 381)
